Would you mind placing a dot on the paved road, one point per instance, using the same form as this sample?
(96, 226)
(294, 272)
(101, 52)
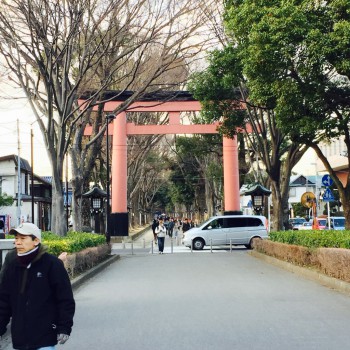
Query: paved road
(206, 301)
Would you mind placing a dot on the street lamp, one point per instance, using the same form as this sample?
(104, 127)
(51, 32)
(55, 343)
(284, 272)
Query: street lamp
(109, 118)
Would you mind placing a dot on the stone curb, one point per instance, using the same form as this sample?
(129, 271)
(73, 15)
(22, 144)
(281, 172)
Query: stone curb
(140, 233)
(78, 281)
(316, 276)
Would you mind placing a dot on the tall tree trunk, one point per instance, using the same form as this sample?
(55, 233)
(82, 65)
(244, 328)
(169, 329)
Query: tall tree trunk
(58, 219)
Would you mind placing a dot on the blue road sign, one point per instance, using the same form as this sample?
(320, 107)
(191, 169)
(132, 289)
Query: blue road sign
(328, 196)
(327, 180)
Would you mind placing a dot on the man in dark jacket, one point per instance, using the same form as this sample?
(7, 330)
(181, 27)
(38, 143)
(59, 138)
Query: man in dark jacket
(186, 226)
(36, 292)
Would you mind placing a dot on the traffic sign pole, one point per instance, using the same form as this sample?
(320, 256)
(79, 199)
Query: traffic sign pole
(329, 216)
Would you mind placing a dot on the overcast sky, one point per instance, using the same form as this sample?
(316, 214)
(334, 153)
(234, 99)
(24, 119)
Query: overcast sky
(13, 107)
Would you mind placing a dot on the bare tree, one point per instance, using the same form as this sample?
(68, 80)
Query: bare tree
(58, 51)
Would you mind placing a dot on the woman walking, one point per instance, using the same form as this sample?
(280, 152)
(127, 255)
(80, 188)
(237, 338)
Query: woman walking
(160, 231)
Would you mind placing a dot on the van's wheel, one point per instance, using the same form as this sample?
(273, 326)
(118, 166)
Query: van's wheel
(251, 243)
(198, 244)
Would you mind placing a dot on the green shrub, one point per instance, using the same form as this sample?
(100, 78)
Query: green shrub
(313, 238)
(71, 243)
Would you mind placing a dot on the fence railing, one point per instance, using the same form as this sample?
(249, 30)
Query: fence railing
(5, 246)
(132, 246)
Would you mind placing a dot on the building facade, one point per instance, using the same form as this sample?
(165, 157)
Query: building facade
(32, 194)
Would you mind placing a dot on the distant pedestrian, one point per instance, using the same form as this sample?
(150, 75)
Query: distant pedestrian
(161, 232)
(155, 224)
(186, 225)
(35, 293)
(166, 224)
(171, 225)
(176, 227)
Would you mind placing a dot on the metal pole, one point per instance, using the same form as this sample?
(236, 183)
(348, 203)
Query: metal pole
(152, 246)
(191, 245)
(144, 243)
(32, 170)
(329, 215)
(132, 248)
(109, 118)
(171, 245)
(67, 209)
(107, 181)
(231, 245)
(19, 186)
(211, 246)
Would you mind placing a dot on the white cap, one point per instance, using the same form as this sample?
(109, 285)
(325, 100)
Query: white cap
(27, 229)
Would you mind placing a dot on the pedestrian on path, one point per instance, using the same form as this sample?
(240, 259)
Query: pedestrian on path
(161, 231)
(171, 225)
(176, 227)
(155, 224)
(186, 225)
(36, 292)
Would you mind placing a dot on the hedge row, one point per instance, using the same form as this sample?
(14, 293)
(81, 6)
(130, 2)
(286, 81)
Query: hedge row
(313, 238)
(71, 243)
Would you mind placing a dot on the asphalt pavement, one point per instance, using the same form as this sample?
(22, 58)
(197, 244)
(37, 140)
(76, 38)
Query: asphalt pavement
(204, 300)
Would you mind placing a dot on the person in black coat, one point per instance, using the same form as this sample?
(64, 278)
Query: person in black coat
(155, 224)
(35, 291)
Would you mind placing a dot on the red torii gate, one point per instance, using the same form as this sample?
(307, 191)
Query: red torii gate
(173, 103)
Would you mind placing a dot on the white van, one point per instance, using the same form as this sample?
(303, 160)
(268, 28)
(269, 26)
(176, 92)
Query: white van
(227, 229)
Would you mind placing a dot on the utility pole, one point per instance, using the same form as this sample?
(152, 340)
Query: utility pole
(19, 187)
(32, 170)
(67, 197)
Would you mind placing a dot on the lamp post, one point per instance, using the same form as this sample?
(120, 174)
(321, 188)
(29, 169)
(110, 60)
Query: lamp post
(109, 118)
(32, 171)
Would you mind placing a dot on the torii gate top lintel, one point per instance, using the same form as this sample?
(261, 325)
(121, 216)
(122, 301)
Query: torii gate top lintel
(159, 101)
(171, 102)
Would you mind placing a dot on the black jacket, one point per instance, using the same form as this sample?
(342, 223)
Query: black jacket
(39, 299)
(186, 226)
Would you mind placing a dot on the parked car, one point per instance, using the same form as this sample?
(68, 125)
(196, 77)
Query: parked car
(307, 225)
(337, 223)
(226, 229)
(322, 223)
(295, 223)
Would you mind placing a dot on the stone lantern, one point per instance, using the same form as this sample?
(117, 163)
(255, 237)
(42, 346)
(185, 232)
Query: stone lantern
(96, 196)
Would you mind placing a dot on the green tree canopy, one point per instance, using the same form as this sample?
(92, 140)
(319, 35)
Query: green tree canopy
(5, 200)
(295, 56)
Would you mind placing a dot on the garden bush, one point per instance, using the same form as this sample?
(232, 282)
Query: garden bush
(313, 238)
(327, 251)
(73, 242)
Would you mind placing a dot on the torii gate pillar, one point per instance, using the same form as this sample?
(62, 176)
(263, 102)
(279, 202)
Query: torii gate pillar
(231, 176)
(119, 220)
